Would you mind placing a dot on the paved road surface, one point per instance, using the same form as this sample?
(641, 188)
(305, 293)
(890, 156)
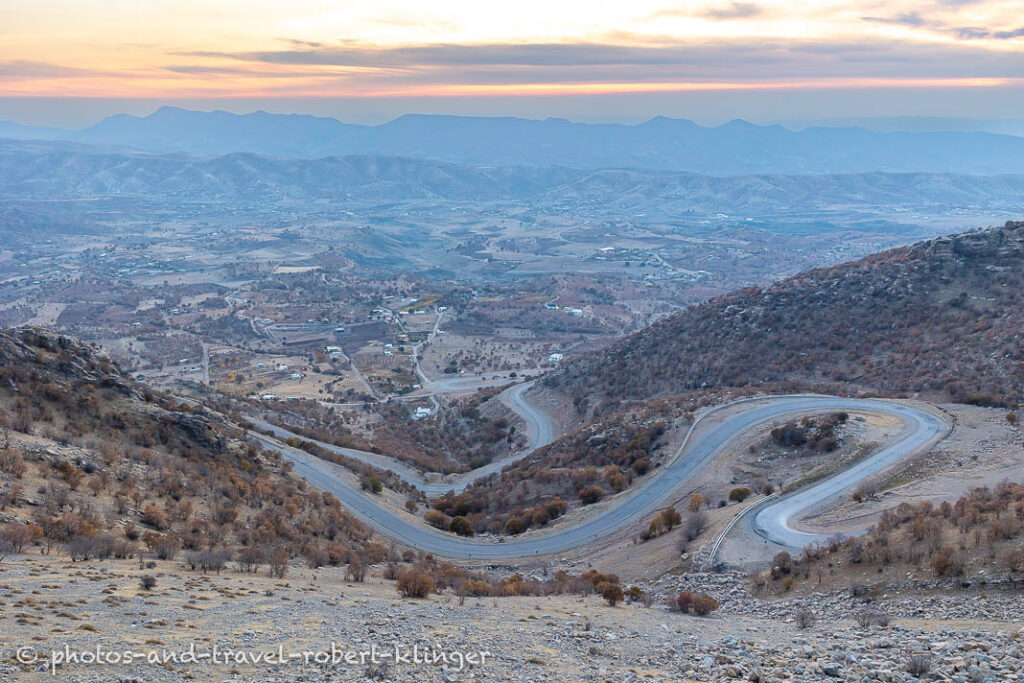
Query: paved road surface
(540, 431)
(922, 428)
(775, 521)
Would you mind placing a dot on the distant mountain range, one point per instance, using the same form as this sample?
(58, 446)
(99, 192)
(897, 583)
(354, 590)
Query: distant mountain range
(735, 148)
(60, 170)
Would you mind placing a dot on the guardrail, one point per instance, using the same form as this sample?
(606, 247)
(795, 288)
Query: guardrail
(709, 561)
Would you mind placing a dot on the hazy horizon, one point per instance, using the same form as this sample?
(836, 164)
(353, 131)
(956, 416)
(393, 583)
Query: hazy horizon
(71, 64)
(20, 111)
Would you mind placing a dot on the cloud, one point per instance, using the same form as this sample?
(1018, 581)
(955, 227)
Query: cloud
(908, 19)
(735, 10)
(20, 68)
(624, 59)
(222, 70)
(973, 33)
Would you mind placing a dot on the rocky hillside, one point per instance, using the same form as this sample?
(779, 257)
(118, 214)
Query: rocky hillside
(943, 317)
(99, 465)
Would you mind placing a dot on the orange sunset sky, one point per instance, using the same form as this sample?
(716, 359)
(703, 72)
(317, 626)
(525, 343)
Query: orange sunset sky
(447, 51)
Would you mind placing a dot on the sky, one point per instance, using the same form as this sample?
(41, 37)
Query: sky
(70, 62)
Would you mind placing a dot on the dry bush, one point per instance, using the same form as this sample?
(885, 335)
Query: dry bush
(18, 536)
(695, 524)
(947, 562)
(460, 526)
(805, 619)
(278, 563)
(871, 617)
(415, 583)
(684, 601)
(12, 462)
(356, 570)
(210, 560)
(154, 517)
(703, 604)
(249, 559)
(591, 494)
(739, 494)
(437, 519)
(918, 665)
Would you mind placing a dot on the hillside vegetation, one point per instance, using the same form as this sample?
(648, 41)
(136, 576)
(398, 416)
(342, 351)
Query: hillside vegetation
(97, 465)
(943, 317)
(978, 537)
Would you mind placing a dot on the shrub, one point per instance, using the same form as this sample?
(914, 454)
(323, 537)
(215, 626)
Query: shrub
(697, 501)
(356, 570)
(437, 519)
(514, 526)
(670, 518)
(1015, 560)
(684, 601)
(17, 536)
(635, 593)
(782, 563)
(591, 494)
(695, 525)
(279, 563)
(871, 617)
(461, 526)
(739, 494)
(704, 604)
(947, 562)
(475, 588)
(147, 582)
(165, 546)
(805, 619)
(154, 517)
(316, 557)
(249, 559)
(415, 583)
(918, 665)
(867, 490)
(371, 484)
(212, 560)
(12, 462)
(611, 592)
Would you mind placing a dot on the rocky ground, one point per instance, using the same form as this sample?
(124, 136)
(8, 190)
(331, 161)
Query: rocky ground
(48, 604)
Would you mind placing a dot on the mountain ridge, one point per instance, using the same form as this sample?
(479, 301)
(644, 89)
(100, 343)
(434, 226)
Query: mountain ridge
(46, 169)
(735, 148)
(937, 317)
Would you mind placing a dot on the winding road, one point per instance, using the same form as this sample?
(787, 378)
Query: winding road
(540, 431)
(775, 521)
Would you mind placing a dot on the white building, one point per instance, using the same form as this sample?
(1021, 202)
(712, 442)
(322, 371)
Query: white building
(555, 357)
